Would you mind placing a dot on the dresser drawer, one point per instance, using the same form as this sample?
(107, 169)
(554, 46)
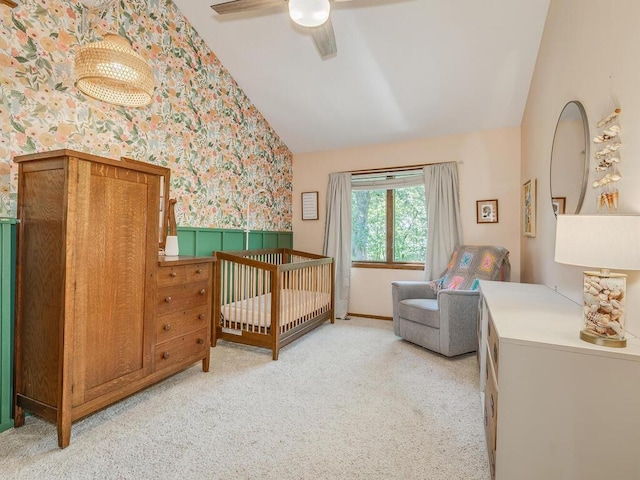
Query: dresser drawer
(180, 322)
(492, 463)
(493, 343)
(491, 416)
(181, 297)
(171, 275)
(192, 346)
(490, 409)
(197, 272)
(481, 315)
(179, 274)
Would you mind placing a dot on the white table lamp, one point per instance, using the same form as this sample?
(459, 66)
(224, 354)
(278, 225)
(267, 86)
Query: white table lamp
(606, 242)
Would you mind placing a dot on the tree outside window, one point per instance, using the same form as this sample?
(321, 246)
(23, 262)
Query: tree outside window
(389, 227)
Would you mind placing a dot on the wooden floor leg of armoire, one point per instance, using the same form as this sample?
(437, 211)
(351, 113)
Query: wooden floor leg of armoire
(64, 433)
(18, 416)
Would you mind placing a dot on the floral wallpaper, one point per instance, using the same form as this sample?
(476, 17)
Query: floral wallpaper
(221, 151)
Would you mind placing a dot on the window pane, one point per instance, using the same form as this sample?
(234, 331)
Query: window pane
(410, 225)
(368, 227)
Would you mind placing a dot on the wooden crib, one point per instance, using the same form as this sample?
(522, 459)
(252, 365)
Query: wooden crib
(269, 298)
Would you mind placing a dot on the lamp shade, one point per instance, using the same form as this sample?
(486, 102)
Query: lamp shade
(599, 241)
(309, 13)
(110, 70)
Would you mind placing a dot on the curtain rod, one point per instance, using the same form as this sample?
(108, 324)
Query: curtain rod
(393, 169)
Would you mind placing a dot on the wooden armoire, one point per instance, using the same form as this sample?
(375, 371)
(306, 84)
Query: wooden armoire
(87, 289)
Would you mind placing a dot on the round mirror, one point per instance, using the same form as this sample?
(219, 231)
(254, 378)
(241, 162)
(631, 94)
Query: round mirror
(570, 160)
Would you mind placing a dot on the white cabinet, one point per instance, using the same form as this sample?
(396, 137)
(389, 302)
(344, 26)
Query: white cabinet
(556, 407)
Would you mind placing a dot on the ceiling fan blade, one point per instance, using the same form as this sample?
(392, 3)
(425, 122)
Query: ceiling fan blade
(236, 6)
(324, 38)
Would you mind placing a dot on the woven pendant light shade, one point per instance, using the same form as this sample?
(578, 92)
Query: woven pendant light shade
(113, 72)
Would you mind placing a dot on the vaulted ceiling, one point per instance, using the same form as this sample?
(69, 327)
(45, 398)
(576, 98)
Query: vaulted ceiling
(404, 69)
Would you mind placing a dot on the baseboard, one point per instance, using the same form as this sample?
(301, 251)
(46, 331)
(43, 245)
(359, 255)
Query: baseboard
(367, 315)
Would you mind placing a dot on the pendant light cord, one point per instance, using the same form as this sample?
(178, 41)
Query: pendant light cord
(98, 10)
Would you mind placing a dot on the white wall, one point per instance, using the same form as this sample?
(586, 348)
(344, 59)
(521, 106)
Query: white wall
(489, 169)
(590, 52)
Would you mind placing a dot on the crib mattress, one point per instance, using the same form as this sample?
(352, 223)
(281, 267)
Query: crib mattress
(256, 311)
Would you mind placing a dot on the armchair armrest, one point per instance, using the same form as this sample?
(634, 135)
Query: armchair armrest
(459, 310)
(401, 290)
(407, 289)
(451, 295)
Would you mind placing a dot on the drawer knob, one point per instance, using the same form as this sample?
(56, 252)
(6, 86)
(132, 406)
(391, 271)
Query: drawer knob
(203, 291)
(495, 353)
(165, 355)
(201, 316)
(167, 326)
(493, 411)
(173, 274)
(167, 299)
(199, 271)
(200, 341)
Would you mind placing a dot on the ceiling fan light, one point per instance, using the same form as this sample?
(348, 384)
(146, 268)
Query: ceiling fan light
(309, 13)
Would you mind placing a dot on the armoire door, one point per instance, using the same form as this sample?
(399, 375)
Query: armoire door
(117, 232)
(40, 280)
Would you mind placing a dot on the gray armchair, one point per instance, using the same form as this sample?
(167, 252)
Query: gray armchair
(442, 315)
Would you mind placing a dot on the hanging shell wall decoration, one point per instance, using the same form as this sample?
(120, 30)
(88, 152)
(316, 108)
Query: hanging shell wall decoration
(608, 158)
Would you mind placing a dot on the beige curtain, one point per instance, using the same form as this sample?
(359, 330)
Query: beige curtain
(443, 211)
(337, 237)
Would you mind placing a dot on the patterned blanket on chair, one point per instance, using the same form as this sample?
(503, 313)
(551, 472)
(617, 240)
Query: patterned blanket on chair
(471, 263)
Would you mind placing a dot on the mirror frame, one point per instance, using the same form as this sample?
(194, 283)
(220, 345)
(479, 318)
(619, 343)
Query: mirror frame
(587, 155)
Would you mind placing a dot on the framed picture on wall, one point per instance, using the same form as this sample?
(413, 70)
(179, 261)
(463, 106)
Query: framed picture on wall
(309, 205)
(529, 208)
(487, 211)
(558, 205)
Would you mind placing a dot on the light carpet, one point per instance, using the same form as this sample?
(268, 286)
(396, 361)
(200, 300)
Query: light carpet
(346, 401)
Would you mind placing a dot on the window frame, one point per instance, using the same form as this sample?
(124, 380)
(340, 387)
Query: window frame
(389, 264)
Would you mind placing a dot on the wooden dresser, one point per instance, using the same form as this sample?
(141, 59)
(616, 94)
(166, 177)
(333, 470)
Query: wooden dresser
(89, 289)
(555, 407)
(183, 311)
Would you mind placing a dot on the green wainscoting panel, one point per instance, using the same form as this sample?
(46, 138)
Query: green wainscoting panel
(233, 241)
(270, 240)
(285, 240)
(7, 281)
(204, 241)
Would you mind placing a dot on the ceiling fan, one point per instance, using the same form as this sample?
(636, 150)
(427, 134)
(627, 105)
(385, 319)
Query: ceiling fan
(312, 14)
